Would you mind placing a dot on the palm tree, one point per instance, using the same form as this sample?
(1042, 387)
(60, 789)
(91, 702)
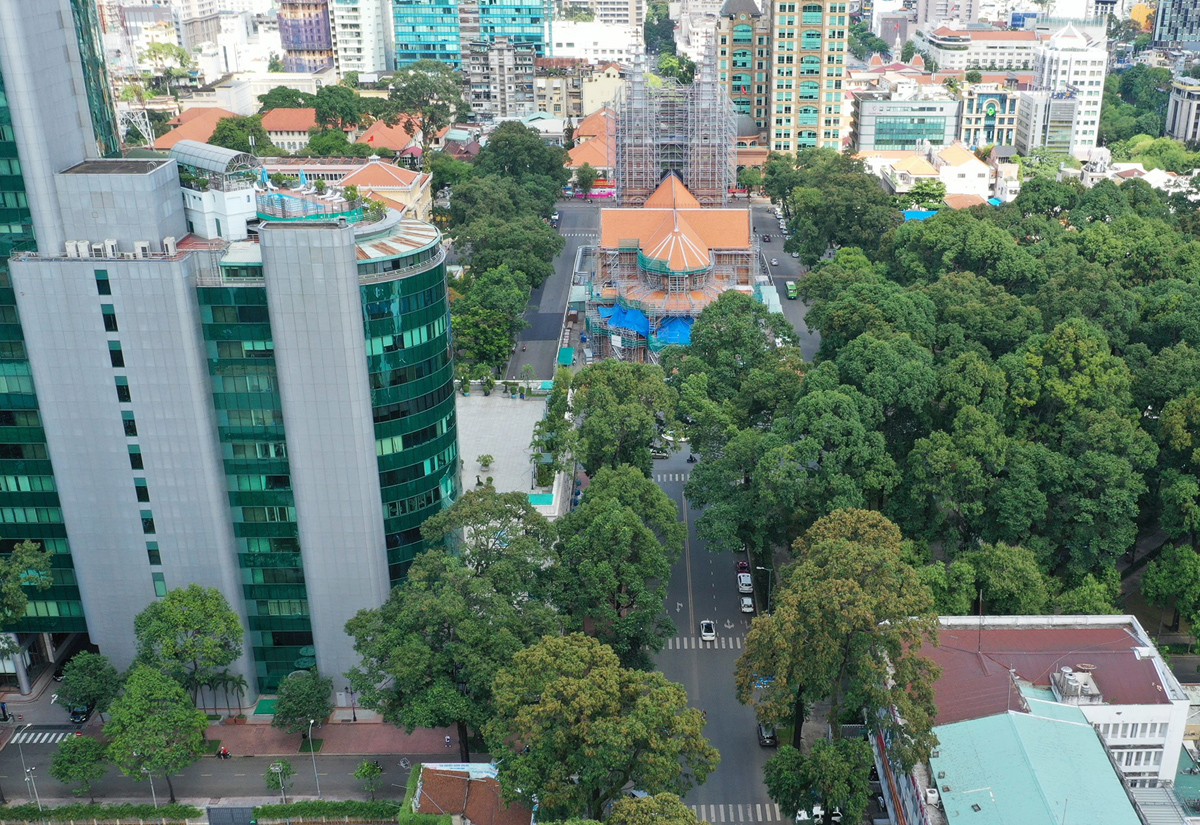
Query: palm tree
(239, 686)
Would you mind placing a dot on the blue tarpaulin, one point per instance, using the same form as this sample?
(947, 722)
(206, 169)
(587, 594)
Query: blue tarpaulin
(630, 319)
(605, 312)
(675, 331)
(918, 214)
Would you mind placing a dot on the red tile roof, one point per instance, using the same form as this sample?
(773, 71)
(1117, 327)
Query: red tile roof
(381, 176)
(396, 138)
(289, 120)
(194, 124)
(963, 201)
(454, 792)
(975, 680)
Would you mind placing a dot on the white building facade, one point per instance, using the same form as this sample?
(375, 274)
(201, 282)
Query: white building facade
(1070, 62)
(363, 36)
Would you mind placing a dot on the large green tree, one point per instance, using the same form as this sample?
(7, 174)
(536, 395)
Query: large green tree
(430, 652)
(189, 634)
(153, 728)
(285, 97)
(90, 680)
(25, 569)
(235, 133)
(302, 697)
(572, 728)
(430, 93)
(517, 152)
(82, 759)
(832, 775)
(847, 626)
(623, 408)
(660, 809)
(613, 560)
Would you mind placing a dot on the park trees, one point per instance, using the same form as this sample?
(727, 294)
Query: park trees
(430, 652)
(285, 97)
(623, 408)
(613, 560)
(848, 623)
(189, 634)
(517, 152)
(430, 92)
(660, 809)
(81, 759)
(235, 133)
(338, 107)
(832, 775)
(302, 697)
(153, 728)
(573, 727)
(25, 568)
(489, 315)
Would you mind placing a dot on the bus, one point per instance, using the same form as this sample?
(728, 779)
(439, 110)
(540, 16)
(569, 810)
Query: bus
(791, 290)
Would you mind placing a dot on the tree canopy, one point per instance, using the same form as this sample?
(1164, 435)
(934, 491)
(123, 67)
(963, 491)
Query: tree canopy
(189, 634)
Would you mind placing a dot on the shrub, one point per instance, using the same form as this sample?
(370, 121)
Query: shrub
(82, 811)
(316, 808)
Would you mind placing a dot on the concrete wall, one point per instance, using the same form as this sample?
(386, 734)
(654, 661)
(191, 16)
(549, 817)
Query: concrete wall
(171, 400)
(316, 322)
(138, 206)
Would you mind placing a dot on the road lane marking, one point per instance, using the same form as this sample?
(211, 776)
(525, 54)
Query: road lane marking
(206, 774)
(758, 811)
(721, 810)
(777, 814)
(687, 557)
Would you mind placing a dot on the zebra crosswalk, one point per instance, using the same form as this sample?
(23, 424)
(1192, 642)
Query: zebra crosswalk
(696, 643)
(592, 235)
(745, 812)
(660, 477)
(41, 737)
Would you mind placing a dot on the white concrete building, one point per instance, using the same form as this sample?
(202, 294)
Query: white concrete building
(1183, 109)
(363, 36)
(499, 79)
(595, 41)
(611, 12)
(1070, 62)
(957, 49)
(239, 92)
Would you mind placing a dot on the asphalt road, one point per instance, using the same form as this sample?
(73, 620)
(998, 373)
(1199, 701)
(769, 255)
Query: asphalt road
(788, 269)
(241, 776)
(579, 224)
(704, 586)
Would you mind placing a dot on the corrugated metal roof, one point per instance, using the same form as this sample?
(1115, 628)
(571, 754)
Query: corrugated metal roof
(1028, 769)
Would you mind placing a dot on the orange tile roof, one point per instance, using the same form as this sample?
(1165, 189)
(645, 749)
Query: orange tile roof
(671, 194)
(478, 800)
(289, 120)
(599, 122)
(714, 228)
(676, 244)
(594, 151)
(963, 201)
(381, 175)
(198, 126)
(956, 155)
(396, 138)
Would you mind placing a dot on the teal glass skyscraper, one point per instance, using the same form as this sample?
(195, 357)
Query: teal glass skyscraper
(441, 29)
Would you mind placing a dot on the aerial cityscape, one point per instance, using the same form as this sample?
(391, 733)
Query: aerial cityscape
(639, 412)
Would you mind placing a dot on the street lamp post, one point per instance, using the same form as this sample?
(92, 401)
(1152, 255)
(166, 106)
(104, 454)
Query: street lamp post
(353, 714)
(24, 767)
(313, 754)
(153, 795)
(769, 572)
(33, 784)
(277, 769)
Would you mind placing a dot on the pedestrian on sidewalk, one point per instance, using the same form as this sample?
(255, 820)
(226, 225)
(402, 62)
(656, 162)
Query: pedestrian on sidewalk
(447, 741)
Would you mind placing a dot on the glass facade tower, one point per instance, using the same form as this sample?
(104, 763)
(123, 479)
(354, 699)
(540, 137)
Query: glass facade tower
(441, 29)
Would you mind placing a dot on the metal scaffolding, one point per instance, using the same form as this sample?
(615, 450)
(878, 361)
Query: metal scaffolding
(668, 127)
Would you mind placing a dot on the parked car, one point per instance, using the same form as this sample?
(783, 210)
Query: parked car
(766, 736)
(818, 816)
(743, 567)
(745, 583)
(658, 453)
(80, 713)
(795, 254)
(774, 262)
(766, 238)
(708, 630)
(747, 604)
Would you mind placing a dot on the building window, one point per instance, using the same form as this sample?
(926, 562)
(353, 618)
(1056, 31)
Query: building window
(110, 317)
(160, 584)
(122, 388)
(130, 423)
(152, 553)
(115, 355)
(148, 522)
(102, 285)
(143, 492)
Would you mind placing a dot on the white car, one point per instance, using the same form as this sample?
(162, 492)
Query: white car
(708, 630)
(774, 262)
(818, 815)
(747, 604)
(745, 583)
(795, 254)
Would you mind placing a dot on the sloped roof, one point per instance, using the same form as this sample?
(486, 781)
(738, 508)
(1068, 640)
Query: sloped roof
(963, 201)
(594, 151)
(676, 244)
(1034, 768)
(382, 136)
(715, 228)
(915, 165)
(289, 120)
(470, 794)
(379, 175)
(194, 124)
(975, 680)
(956, 155)
(732, 8)
(600, 122)
(671, 194)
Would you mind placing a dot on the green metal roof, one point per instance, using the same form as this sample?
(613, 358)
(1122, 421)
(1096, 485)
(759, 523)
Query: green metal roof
(1028, 768)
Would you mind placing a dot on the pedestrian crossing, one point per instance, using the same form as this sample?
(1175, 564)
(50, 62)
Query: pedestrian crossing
(592, 235)
(756, 812)
(672, 477)
(41, 737)
(695, 643)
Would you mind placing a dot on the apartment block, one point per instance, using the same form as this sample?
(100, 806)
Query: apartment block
(807, 75)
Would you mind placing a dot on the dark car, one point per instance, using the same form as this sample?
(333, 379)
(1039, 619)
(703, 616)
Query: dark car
(766, 736)
(766, 238)
(80, 713)
(743, 567)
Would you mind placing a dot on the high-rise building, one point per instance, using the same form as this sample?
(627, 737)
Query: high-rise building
(305, 35)
(806, 81)
(274, 419)
(1183, 110)
(441, 29)
(1177, 24)
(499, 77)
(362, 35)
(744, 60)
(1068, 63)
